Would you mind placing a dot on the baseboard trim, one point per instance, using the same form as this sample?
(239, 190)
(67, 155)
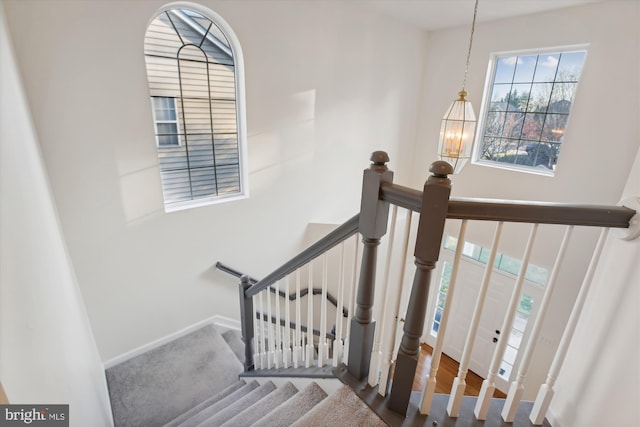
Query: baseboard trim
(222, 321)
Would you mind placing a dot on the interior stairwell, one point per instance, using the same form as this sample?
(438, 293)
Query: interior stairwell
(195, 380)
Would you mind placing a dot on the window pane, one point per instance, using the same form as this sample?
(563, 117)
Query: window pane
(525, 68)
(570, 66)
(547, 67)
(504, 69)
(499, 97)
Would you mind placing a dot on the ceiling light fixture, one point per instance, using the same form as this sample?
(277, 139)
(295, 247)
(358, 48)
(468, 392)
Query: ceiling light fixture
(457, 130)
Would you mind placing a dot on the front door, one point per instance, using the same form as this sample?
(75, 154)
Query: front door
(489, 330)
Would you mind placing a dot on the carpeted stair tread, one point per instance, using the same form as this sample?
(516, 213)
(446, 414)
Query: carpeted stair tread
(262, 407)
(240, 405)
(342, 405)
(294, 408)
(210, 401)
(213, 409)
(234, 339)
(158, 385)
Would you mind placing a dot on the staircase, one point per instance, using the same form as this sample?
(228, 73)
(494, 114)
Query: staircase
(195, 380)
(208, 377)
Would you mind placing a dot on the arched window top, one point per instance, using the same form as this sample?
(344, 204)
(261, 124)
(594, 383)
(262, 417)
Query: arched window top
(196, 84)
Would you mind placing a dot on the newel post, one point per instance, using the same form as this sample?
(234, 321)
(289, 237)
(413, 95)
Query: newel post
(247, 314)
(433, 214)
(374, 215)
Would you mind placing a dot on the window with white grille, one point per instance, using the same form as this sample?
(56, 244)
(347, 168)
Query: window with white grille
(194, 71)
(526, 107)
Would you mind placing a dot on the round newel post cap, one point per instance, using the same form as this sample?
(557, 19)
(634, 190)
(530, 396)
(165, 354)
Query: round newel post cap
(244, 279)
(379, 157)
(441, 168)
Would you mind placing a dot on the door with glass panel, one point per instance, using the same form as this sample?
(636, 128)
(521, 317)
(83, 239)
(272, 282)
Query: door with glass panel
(472, 266)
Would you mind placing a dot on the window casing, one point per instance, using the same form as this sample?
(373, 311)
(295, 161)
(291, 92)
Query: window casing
(526, 106)
(195, 76)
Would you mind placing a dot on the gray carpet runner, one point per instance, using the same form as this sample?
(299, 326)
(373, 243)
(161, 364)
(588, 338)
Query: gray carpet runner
(193, 381)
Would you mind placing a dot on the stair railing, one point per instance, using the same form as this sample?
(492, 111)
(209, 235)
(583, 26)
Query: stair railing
(434, 207)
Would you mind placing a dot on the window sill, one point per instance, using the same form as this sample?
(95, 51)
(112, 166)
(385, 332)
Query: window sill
(540, 170)
(206, 201)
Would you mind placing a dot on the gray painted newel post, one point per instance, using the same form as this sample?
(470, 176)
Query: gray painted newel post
(433, 214)
(374, 215)
(246, 316)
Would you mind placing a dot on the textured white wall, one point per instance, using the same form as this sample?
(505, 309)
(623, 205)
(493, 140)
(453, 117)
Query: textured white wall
(327, 83)
(48, 354)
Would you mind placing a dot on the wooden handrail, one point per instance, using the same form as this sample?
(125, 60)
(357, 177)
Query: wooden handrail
(291, 297)
(332, 239)
(515, 211)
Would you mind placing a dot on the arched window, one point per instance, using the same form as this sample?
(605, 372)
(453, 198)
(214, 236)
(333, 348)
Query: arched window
(194, 70)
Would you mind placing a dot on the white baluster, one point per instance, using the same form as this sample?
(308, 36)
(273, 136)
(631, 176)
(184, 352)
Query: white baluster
(337, 341)
(278, 330)
(541, 404)
(391, 325)
(380, 307)
(310, 349)
(430, 386)
(264, 355)
(298, 345)
(516, 389)
(286, 353)
(270, 332)
(351, 304)
(459, 383)
(488, 386)
(322, 340)
(256, 332)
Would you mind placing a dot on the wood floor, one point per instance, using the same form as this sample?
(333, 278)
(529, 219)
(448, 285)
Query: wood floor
(447, 371)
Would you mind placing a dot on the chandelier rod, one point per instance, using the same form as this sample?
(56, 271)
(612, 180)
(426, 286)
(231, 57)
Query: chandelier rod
(473, 28)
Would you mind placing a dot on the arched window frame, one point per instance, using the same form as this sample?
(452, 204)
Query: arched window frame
(240, 103)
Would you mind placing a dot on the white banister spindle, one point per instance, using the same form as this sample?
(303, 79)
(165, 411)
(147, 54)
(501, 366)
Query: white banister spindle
(278, 329)
(256, 333)
(545, 394)
(516, 389)
(337, 342)
(381, 309)
(430, 386)
(323, 349)
(310, 349)
(263, 333)
(298, 346)
(488, 385)
(286, 351)
(270, 332)
(459, 383)
(391, 323)
(351, 303)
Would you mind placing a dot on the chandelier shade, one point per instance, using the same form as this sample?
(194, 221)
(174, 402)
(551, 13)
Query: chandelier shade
(457, 132)
(458, 127)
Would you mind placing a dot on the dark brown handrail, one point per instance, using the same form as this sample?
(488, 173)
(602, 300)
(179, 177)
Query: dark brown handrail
(515, 211)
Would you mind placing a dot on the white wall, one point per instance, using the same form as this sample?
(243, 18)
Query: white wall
(48, 354)
(327, 83)
(603, 361)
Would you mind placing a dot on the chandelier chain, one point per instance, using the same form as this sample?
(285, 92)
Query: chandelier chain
(473, 28)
